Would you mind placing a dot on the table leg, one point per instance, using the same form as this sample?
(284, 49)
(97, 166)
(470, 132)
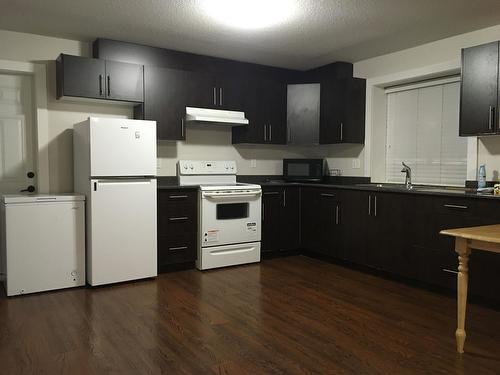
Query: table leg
(463, 250)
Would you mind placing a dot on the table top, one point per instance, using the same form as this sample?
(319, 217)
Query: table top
(486, 233)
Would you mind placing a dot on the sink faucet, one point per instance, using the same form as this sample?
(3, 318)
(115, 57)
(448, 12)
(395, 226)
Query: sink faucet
(407, 170)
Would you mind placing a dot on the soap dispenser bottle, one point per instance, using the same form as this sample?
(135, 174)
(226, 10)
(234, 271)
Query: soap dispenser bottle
(481, 180)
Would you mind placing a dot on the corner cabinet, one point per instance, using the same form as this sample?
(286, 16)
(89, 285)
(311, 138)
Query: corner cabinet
(82, 77)
(479, 104)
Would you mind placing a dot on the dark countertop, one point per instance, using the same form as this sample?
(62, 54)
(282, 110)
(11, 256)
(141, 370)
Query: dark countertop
(341, 182)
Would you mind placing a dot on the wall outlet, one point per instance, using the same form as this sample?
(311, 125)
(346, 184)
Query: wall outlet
(253, 163)
(356, 163)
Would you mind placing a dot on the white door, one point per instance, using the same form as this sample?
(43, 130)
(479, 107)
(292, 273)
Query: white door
(122, 236)
(121, 147)
(16, 133)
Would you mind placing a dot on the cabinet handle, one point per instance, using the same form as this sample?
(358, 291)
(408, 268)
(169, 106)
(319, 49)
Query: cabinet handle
(177, 196)
(370, 205)
(491, 117)
(215, 96)
(182, 127)
(337, 219)
(109, 85)
(449, 271)
(284, 197)
(220, 96)
(341, 131)
(262, 212)
(375, 206)
(265, 133)
(100, 84)
(177, 248)
(180, 218)
(327, 195)
(271, 192)
(455, 206)
(270, 133)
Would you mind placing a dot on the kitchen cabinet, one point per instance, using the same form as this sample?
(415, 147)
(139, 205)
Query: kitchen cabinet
(264, 104)
(479, 90)
(321, 218)
(84, 77)
(280, 219)
(177, 228)
(342, 111)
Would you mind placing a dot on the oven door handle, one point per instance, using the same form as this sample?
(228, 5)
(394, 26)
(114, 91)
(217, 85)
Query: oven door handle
(231, 195)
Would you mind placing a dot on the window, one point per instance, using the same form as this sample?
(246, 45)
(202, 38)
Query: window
(422, 131)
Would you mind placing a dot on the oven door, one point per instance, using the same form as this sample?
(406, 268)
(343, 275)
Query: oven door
(230, 217)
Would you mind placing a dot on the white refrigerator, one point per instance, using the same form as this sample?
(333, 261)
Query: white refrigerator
(115, 168)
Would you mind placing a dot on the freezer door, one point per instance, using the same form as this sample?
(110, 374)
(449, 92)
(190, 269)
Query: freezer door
(122, 231)
(122, 147)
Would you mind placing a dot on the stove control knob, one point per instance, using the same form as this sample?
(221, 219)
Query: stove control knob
(185, 166)
(191, 166)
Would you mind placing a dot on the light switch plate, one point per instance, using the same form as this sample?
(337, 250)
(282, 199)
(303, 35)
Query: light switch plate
(356, 163)
(253, 163)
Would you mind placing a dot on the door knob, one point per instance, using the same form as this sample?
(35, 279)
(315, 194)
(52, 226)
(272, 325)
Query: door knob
(29, 189)
(30, 174)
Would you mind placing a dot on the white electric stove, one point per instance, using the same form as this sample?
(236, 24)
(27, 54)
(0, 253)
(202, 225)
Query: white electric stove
(229, 218)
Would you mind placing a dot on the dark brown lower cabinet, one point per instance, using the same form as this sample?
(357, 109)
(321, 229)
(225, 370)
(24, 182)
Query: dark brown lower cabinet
(398, 233)
(177, 228)
(280, 219)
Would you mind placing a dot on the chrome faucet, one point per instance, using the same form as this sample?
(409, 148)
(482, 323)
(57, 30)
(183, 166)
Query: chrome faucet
(407, 170)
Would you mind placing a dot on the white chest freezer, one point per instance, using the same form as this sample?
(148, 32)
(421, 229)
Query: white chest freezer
(42, 242)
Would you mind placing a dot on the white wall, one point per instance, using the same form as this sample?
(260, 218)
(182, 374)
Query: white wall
(424, 61)
(202, 143)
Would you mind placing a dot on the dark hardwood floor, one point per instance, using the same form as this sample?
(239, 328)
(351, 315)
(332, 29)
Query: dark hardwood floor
(287, 316)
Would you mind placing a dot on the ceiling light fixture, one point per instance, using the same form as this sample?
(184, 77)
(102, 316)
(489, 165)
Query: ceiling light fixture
(250, 14)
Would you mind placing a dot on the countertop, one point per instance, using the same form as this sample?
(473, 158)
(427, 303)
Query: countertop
(348, 183)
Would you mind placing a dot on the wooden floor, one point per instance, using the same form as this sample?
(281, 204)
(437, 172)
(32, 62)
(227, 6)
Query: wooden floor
(287, 316)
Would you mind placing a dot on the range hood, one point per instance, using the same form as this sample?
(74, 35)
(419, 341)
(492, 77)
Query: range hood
(215, 116)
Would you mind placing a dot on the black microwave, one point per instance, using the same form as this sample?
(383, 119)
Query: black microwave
(303, 169)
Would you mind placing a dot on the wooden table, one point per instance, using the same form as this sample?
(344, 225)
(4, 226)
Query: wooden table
(485, 238)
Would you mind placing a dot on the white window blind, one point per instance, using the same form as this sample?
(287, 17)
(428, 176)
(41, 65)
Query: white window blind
(422, 131)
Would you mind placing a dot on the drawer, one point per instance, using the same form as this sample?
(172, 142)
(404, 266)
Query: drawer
(176, 249)
(172, 223)
(455, 206)
(177, 199)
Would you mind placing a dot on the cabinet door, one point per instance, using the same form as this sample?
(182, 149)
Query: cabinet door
(354, 223)
(255, 132)
(165, 97)
(271, 217)
(327, 223)
(80, 77)
(124, 81)
(274, 102)
(310, 232)
(201, 90)
(353, 122)
(479, 90)
(290, 219)
(331, 112)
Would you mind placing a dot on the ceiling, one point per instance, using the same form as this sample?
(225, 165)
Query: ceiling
(322, 31)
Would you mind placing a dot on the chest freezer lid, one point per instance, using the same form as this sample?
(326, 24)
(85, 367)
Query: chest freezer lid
(41, 198)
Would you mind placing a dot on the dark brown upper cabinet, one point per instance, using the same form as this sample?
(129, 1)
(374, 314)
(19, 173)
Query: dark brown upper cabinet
(479, 90)
(83, 77)
(342, 111)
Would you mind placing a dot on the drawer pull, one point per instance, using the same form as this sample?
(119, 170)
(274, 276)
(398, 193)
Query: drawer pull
(456, 206)
(327, 195)
(177, 248)
(177, 196)
(450, 271)
(272, 193)
(180, 218)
